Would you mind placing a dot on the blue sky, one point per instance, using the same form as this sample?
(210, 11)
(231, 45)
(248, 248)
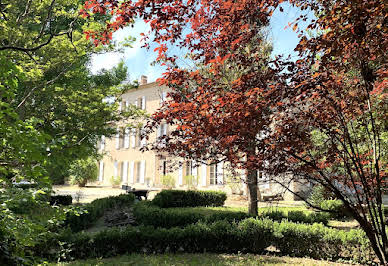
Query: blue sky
(138, 60)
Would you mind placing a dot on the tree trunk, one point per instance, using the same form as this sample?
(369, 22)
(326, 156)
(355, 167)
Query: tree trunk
(252, 191)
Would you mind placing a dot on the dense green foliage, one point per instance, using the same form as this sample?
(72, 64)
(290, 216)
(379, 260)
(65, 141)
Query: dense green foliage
(89, 213)
(26, 220)
(83, 171)
(335, 208)
(147, 213)
(249, 235)
(190, 198)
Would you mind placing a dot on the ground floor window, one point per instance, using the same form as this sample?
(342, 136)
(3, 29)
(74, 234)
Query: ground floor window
(213, 174)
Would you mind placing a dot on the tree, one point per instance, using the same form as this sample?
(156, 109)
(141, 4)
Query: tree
(332, 126)
(329, 109)
(217, 118)
(66, 101)
(83, 171)
(219, 111)
(52, 111)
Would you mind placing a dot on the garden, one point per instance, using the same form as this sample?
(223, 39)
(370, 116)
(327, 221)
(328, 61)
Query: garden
(179, 223)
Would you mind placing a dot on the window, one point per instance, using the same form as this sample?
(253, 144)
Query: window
(102, 143)
(162, 166)
(213, 174)
(188, 168)
(163, 97)
(138, 139)
(101, 171)
(162, 130)
(138, 172)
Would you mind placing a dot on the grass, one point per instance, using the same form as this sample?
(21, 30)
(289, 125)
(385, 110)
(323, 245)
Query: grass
(199, 259)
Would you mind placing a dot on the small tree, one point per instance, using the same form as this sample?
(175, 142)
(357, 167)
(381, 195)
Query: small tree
(83, 171)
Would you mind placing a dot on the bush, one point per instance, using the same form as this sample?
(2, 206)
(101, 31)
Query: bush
(191, 181)
(148, 214)
(167, 181)
(335, 207)
(190, 198)
(115, 181)
(94, 210)
(61, 200)
(249, 235)
(298, 216)
(83, 171)
(320, 242)
(318, 195)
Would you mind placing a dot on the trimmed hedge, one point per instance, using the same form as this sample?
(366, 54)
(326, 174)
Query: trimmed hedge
(298, 216)
(147, 213)
(249, 235)
(190, 198)
(61, 200)
(94, 210)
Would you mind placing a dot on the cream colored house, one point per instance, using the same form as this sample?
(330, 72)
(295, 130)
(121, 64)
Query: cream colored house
(124, 160)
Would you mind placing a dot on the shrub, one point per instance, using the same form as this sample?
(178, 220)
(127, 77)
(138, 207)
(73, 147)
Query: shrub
(219, 237)
(249, 235)
(320, 242)
(94, 210)
(335, 207)
(115, 181)
(190, 198)
(148, 214)
(83, 171)
(61, 200)
(319, 194)
(191, 181)
(298, 216)
(167, 181)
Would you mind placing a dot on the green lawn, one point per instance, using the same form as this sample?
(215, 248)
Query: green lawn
(199, 259)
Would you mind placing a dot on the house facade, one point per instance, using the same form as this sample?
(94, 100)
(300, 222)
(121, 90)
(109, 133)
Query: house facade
(124, 162)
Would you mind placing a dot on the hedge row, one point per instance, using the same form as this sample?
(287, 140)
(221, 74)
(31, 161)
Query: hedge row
(249, 235)
(89, 214)
(147, 213)
(298, 216)
(190, 198)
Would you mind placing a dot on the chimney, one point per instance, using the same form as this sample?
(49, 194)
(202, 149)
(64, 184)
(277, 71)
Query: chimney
(143, 80)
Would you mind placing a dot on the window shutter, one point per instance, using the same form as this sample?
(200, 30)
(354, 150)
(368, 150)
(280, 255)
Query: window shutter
(118, 139)
(203, 175)
(142, 171)
(115, 169)
(143, 102)
(120, 106)
(143, 141)
(126, 105)
(125, 172)
(220, 173)
(180, 175)
(102, 142)
(101, 174)
(126, 138)
(195, 173)
(133, 137)
(131, 171)
(164, 129)
(159, 132)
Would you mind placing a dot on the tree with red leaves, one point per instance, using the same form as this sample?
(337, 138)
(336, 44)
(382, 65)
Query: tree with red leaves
(325, 120)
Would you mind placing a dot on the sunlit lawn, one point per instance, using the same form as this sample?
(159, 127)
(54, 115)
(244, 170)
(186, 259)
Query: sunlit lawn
(199, 259)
